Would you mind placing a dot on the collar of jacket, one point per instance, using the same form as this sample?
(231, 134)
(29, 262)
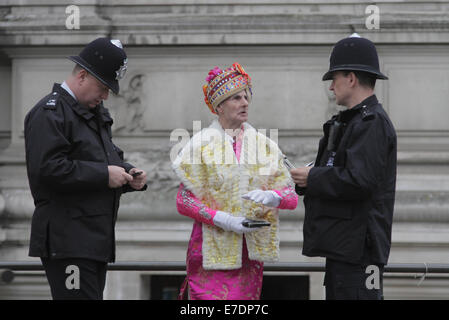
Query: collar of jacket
(348, 114)
(79, 109)
(105, 115)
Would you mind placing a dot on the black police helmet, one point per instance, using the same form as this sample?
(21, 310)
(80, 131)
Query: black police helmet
(354, 54)
(105, 59)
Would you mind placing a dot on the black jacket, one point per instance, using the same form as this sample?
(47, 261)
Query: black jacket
(350, 192)
(68, 149)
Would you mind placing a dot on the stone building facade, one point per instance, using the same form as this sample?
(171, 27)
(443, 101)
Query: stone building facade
(285, 47)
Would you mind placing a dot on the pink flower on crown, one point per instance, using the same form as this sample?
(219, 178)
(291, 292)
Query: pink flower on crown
(213, 73)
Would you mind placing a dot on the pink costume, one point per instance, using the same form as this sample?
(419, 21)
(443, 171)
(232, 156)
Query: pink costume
(240, 284)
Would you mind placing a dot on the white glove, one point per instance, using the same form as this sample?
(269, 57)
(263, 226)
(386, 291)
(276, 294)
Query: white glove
(268, 198)
(230, 223)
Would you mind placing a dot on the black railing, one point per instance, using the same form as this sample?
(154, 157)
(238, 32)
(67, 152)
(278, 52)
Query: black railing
(7, 268)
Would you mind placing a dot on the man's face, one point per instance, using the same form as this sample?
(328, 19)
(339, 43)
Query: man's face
(235, 108)
(92, 91)
(341, 87)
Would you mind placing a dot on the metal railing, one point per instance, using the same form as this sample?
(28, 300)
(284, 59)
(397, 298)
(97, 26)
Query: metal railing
(7, 268)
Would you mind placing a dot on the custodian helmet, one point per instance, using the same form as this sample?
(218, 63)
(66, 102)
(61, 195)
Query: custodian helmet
(354, 54)
(105, 59)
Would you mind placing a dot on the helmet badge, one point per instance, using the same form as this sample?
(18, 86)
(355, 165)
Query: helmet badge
(122, 70)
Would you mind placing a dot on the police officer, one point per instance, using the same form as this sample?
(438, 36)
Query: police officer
(349, 193)
(77, 174)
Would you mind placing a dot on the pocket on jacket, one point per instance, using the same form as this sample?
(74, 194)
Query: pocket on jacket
(80, 212)
(334, 209)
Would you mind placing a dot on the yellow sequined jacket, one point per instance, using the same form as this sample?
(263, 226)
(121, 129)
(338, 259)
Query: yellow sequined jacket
(208, 167)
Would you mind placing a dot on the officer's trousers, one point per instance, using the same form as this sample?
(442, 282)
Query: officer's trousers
(75, 279)
(347, 281)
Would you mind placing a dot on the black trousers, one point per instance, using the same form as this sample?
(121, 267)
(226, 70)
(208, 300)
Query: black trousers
(346, 281)
(75, 279)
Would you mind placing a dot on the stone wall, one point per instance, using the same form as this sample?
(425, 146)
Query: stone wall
(285, 47)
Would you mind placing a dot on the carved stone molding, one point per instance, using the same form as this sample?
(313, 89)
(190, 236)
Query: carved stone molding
(159, 203)
(129, 108)
(221, 22)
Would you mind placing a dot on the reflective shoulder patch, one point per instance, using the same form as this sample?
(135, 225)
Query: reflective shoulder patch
(366, 114)
(51, 102)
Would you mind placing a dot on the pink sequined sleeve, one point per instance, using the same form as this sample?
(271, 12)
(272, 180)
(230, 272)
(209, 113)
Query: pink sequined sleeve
(289, 198)
(189, 205)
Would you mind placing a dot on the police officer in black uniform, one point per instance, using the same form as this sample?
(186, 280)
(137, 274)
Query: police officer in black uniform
(349, 193)
(77, 174)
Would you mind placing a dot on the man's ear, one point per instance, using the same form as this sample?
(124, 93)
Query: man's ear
(353, 80)
(81, 75)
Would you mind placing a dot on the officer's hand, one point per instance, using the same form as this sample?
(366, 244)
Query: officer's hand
(299, 176)
(118, 177)
(138, 182)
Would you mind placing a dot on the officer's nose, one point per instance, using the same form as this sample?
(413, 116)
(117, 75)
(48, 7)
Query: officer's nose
(105, 95)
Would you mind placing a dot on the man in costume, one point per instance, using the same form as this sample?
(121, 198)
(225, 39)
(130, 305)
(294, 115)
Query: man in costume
(230, 172)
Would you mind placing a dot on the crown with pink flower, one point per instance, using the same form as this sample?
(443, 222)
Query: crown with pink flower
(221, 84)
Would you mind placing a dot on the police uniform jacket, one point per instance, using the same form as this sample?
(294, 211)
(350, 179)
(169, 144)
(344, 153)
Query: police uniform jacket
(68, 150)
(350, 191)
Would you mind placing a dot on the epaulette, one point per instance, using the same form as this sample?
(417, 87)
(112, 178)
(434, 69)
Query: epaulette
(366, 113)
(51, 102)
